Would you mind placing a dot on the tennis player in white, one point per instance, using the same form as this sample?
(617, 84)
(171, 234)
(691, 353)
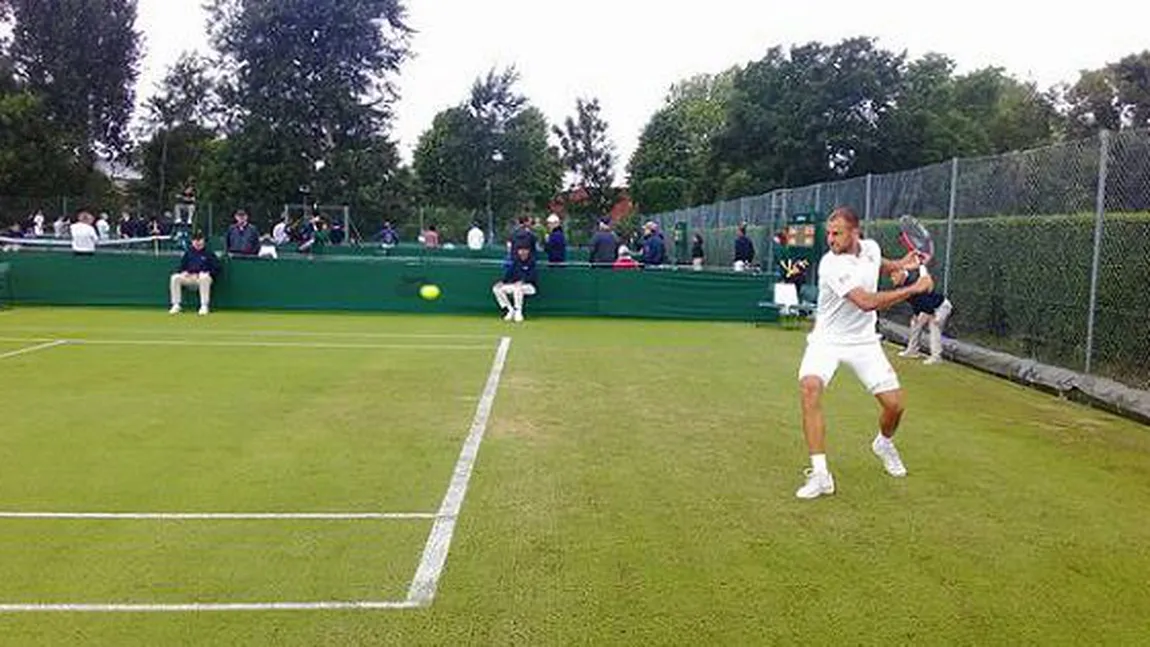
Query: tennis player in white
(846, 332)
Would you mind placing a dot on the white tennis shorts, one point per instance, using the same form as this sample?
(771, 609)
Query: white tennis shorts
(868, 361)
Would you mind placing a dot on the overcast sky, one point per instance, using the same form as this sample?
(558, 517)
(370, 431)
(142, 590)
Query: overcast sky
(628, 52)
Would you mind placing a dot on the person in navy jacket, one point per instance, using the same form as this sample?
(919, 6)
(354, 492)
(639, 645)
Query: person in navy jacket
(556, 243)
(654, 248)
(520, 277)
(198, 268)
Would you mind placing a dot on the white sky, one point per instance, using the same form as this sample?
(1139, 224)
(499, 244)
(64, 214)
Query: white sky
(628, 52)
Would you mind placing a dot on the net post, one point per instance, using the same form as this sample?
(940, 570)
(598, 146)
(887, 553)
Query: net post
(951, 212)
(1099, 214)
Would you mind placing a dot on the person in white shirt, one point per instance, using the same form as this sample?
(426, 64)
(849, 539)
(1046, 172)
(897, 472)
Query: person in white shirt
(475, 237)
(102, 227)
(280, 232)
(38, 224)
(84, 236)
(845, 332)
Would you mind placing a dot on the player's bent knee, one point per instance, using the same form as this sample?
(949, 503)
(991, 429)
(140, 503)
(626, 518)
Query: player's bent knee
(893, 401)
(811, 388)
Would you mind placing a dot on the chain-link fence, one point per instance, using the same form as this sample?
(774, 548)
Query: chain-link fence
(1043, 252)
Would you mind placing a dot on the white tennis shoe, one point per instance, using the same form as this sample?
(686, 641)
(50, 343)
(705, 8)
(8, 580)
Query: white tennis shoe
(888, 454)
(818, 484)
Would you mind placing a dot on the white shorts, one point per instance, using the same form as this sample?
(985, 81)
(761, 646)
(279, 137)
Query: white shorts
(868, 361)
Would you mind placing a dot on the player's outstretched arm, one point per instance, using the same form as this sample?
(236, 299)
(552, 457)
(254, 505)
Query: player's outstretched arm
(868, 301)
(911, 261)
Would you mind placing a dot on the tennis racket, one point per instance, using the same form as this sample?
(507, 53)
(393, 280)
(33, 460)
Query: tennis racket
(915, 238)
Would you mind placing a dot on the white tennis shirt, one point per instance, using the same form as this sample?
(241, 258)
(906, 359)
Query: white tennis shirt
(84, 237)
(837, 320)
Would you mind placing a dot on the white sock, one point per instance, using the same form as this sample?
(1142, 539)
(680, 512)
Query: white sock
(819, 463)
(883, 440)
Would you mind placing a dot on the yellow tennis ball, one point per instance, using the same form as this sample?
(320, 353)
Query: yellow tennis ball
(429, 292)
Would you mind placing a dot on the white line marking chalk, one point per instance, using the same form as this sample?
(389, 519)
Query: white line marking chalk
(199, 607)
(219, 516)
(32, 349)
(244, 332)
(240, 344)
(423, 586)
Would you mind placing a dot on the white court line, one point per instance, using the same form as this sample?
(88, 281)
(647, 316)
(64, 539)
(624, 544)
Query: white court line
(423, 586)
(198, 607)
(245, 344)
(247, 332)
(223, 516)
(32, 349)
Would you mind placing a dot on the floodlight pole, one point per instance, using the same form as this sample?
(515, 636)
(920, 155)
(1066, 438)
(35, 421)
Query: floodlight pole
(1099, 216)
(490, 217)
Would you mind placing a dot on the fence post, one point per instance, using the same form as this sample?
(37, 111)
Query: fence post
(1099, 213)
(770, 228)
(819, 198)
(866, 205)
(950, 225)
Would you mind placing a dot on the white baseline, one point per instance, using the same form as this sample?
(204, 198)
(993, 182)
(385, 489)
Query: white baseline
(423, 585)
(240, 344)
(219, 516)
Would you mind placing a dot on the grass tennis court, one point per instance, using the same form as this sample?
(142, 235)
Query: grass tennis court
(634, 486)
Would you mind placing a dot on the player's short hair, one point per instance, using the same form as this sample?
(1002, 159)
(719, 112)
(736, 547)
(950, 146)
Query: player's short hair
(847, 215)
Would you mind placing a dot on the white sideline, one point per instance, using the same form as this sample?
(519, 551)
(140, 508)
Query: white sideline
(423, 586)
(219, 516)
(32, 349)
(199, 607)
(241, 344)
(248, 332)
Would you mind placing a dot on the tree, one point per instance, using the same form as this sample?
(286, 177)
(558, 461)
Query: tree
(187, 95)
(310, 82)
(448, 160)
(1011, 115)
(589, 156)
(813, 114)
(1112, 98)
(676, 143)
(34, 157)
(489, 151)
(81, 58)
(927, 125)
(179, 118)
(1132, 81)
(660, 194)
(1092, 104)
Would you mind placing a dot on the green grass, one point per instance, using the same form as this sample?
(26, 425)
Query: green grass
(635, 487)
(85, 561)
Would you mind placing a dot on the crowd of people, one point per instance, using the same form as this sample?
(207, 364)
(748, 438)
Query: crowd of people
(36, 226)
(530, 240)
